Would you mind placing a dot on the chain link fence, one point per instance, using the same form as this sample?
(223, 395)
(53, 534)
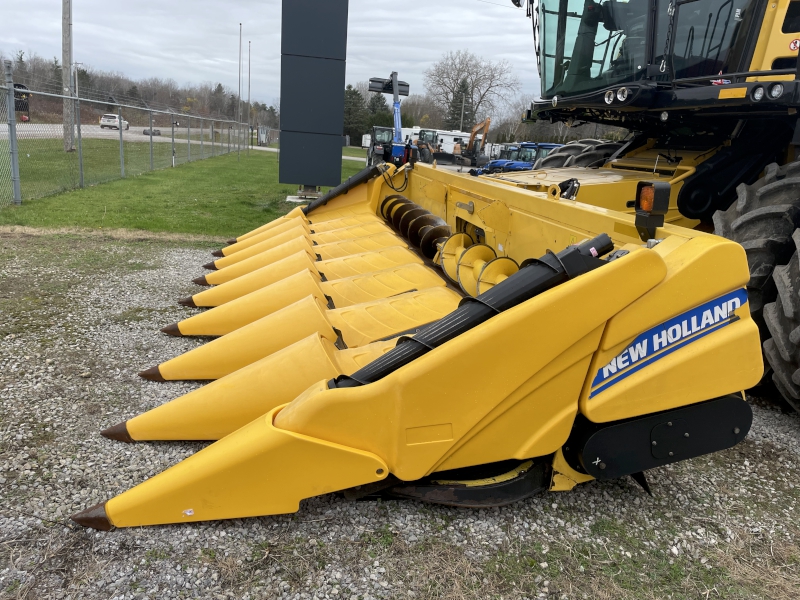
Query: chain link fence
(59, 142)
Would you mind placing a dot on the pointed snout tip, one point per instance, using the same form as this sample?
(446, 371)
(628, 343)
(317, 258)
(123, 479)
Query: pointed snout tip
(152, 374)
(94, 517)
(118, 432)
(188, 302)
(172, 329)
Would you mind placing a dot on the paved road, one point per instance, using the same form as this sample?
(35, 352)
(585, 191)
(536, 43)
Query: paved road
(134, 134)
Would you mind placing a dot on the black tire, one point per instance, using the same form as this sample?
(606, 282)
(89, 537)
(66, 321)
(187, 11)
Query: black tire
(782, 318)
(764, 220)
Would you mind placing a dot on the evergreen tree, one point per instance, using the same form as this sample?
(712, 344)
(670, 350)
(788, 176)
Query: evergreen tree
(355, 114)
(217, 100)
(462, 99)
(377, 104)
(55, 66)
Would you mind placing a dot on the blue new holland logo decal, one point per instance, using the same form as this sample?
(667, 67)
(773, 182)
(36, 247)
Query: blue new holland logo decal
(667, 337)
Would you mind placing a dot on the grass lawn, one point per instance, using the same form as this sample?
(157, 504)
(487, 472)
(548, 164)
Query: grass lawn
(46, 169)
(353, 151)
(218, 197)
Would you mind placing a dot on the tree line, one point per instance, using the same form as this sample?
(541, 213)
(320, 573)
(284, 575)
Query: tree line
(460, 90)
(205, 99)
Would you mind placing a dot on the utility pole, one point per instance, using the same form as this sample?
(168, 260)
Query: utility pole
(239, 100)
(66, 75)
(249, 110)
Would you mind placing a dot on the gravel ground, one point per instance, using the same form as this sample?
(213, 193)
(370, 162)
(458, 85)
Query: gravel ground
(79, 317)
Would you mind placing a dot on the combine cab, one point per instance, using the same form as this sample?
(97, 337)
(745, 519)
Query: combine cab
(421, 334)
(709, 91)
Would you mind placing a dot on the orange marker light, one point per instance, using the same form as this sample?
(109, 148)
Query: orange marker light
(647, 198)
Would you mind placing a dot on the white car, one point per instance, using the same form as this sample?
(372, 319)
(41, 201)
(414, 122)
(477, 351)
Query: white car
(112, 122)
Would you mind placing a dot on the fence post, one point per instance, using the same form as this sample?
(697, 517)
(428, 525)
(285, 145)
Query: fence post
(188, 139)
(150, 114)
(16, 193)
(229, 138)
(172, 119)
(78, 123)
(121, 146)
(212, 138)
(202, 136)
(80, 142)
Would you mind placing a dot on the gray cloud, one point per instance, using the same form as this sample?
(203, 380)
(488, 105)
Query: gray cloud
(196, 41)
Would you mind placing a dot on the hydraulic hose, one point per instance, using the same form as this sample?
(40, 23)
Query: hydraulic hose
(535, 277)
(362, 176)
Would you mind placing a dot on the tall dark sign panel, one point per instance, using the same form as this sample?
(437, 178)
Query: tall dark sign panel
(313, 53)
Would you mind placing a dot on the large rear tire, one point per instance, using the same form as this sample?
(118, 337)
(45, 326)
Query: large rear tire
(764, 220)
(782, 318)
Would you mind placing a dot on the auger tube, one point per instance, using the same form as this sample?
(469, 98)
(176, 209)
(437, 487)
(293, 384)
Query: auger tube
(536, 277)
(361, 177)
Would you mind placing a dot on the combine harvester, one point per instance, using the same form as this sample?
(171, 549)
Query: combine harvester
(471, 341)
(709, 91)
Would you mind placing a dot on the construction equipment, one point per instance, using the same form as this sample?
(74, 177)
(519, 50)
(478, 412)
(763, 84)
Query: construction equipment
(709, 92)
(396, 150)
(466, 364)
(380, 146)
(427, 143)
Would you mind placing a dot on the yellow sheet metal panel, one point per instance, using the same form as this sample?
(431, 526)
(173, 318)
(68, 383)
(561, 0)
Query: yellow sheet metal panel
(565, 477)
(367, 262)
(698, 270)
(300, 244)
(465, 379)
(546, 399)
(381, 284)
(295, 212)
(257, 279)
(359, 245)
(654, 354)
(694, 366)
(354, 202)
(772, 42)
(257, 238)
(358, 230)
(223, 406)
(257, 470)
(289, 235)
(726, 93)
(253, 306)
(352, 359)
(253, 342)
(323, 226)
(365, 323)
(428, 193)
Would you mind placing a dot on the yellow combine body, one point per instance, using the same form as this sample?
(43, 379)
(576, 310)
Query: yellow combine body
(504, 342)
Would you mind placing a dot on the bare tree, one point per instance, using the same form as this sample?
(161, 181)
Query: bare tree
(422, 110)
(489, 82)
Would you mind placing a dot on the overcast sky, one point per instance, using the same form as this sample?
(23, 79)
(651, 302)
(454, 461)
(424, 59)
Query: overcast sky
(192, 41)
